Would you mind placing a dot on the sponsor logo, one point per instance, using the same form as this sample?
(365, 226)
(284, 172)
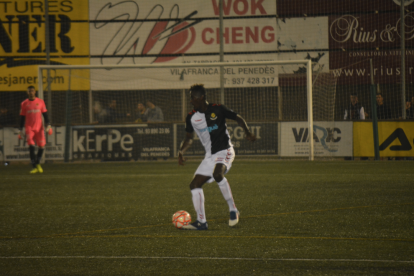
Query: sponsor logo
(199, 120)
(329, 135)
(402, 138)
(209, 129)
(91, 142)
(213, 116)
(348, 28)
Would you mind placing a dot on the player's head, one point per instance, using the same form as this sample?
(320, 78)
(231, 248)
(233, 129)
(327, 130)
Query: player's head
(197, 96)
(354, 98)
(198, 90)
(31, 92)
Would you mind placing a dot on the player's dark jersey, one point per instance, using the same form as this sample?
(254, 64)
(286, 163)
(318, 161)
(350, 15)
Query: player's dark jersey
(211, 127)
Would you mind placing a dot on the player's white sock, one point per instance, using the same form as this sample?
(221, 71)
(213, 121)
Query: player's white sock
(198, 201)
(226, 191)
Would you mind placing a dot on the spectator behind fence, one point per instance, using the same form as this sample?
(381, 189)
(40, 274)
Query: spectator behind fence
(409, 109)
(99, 112)
(141, 113)
(383, 111)
(111, 114)
(354, 111)
(154, 113)
(6, 118)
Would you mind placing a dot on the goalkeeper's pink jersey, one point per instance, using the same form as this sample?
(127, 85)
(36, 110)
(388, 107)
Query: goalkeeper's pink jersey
(33, 111)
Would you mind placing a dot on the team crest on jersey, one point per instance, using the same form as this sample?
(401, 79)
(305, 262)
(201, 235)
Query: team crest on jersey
(213, 117)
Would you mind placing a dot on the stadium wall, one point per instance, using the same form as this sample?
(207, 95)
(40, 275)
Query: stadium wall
(338, 36)
(148, 141)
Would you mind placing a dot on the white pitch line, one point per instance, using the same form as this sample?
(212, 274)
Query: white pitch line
(182, 174)
(206, 258)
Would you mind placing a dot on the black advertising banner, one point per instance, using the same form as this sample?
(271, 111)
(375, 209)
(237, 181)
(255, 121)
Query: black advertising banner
(134, 142)
(266, 143)
(122, 143)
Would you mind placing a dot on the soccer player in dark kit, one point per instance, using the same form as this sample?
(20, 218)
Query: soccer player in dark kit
(209, 122)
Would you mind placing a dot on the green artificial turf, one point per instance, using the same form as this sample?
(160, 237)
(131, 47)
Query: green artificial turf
(297, 218)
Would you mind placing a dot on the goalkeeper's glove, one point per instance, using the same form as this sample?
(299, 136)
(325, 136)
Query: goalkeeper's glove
(49, 129)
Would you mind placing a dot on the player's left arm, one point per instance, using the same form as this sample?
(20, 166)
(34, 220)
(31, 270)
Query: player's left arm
(47, 122)
(46, 117)
(240, 121)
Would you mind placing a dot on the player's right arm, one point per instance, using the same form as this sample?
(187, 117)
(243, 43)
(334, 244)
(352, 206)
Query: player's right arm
(188, 141)
(22, 119)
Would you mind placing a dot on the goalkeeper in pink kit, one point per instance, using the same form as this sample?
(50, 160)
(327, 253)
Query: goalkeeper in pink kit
(31, 118)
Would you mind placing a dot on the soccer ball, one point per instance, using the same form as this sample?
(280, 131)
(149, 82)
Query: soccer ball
(181, 218)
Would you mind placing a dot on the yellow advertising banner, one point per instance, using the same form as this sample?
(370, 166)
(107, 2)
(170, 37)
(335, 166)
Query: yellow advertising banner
(22, 41)
(396, 139)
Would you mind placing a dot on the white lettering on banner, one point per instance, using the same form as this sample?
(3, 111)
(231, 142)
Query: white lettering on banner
(126, 140)
(156, 149)
(238, 132)
(88, 140)
(153, 131)
(346, 27)
(99, 140)
(78, 142)
(361, 72)
(113, 138)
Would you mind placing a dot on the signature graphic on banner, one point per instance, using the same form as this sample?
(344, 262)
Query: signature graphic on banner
(406, 2)
(347, 28)
(164, 38)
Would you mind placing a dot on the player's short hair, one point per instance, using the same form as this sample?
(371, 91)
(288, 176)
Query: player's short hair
(198, 90)
(354, 94)
(31, 86)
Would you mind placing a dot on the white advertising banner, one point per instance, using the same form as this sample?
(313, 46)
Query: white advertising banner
(18, 150)
(308, 36)
(157, 31)
(330, 139)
